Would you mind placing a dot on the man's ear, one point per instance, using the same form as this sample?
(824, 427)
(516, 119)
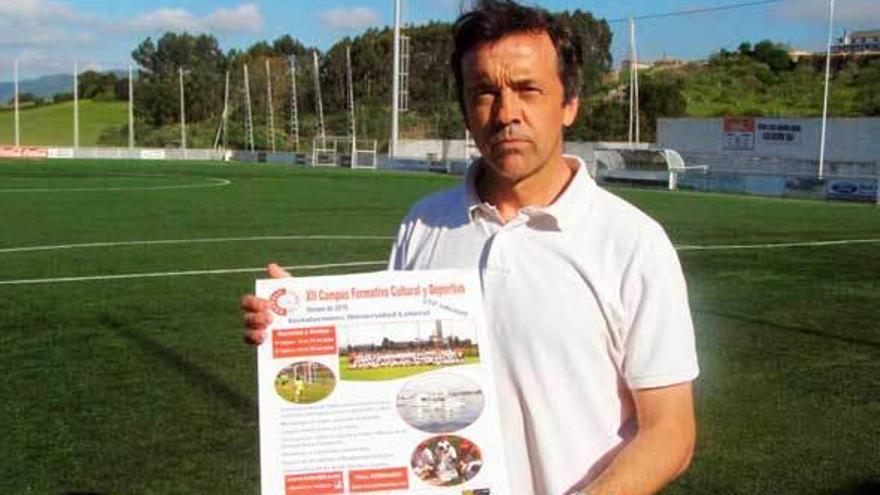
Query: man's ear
(570, 111)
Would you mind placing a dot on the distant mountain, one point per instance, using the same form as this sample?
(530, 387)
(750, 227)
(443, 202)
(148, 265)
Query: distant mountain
(44, 86)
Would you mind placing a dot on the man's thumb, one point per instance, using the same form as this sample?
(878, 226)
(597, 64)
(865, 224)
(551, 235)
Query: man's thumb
(276, 271)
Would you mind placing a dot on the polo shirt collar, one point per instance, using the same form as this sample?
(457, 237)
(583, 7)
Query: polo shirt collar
(563, 211)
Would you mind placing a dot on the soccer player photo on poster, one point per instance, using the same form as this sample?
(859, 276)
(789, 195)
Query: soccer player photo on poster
(378, 383)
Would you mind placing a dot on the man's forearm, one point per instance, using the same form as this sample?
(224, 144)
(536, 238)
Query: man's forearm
(661, 449)
(647, 464)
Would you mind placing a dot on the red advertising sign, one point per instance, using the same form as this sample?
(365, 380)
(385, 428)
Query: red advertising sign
(739, 133)
(23, 152)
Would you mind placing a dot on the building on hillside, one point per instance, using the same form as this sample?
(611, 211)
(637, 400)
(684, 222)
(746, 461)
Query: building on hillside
(668, 63)
(796, 55)
(858, 42)
(627, 64)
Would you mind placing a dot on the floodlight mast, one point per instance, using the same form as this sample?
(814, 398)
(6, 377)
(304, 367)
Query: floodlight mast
(352, 129)
(294, 114)
(182, 111)
(395, 85)
(633, 85)
(15, 100)
(249, 117)
(224, 117)
(269, 101)
(75, 105)
(318, 103)
(827, 83)
(130, 109)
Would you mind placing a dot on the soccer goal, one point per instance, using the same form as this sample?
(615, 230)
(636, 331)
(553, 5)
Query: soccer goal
(342, 151)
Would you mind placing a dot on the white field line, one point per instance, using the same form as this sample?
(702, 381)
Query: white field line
(214, 183)
(731, 247)
(21, 249)
(185, 273)
(341, 265)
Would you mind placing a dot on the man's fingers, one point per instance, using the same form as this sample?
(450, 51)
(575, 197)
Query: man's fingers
(253, 304)
(257, 321)
(276, 271)
(255, 337)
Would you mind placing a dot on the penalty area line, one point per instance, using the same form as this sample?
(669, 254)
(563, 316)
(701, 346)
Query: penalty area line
(124, 276)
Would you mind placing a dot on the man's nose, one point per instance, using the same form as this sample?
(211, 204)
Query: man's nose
(509, 110)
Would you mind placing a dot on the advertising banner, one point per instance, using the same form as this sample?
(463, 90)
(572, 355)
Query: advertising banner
(23, 152)
(739, 133)
(852, 189)
(60, 152)
(152, 154)
(778, 132)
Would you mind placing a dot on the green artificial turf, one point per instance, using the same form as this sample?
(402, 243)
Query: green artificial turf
(142, 385)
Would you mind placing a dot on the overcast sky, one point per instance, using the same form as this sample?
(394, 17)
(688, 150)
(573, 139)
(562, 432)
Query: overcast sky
(47, 35)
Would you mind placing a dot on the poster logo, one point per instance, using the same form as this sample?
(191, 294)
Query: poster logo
(283, 302)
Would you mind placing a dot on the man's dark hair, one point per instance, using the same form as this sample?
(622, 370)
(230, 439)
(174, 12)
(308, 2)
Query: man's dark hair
(490, 20)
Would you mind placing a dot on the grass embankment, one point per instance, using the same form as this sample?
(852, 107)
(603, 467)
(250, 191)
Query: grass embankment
(52, 124)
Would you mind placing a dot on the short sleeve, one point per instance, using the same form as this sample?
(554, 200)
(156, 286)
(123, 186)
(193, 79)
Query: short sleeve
(658, 334)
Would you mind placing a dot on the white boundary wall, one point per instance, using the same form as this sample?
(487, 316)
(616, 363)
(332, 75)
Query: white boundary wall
(775, 145)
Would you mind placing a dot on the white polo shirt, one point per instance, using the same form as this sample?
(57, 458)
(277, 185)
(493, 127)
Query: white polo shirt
(585, 299)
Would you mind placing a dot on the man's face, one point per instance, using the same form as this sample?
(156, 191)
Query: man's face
(513, 101)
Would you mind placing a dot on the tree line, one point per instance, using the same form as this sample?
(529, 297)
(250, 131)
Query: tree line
(759, 79)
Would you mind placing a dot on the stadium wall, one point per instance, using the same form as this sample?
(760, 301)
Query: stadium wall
(778, 146)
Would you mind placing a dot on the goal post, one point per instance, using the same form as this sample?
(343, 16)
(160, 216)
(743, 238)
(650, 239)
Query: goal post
(341, 151)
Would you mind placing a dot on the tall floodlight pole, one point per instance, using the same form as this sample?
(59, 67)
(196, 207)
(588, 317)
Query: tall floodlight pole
(271, 110)
(633, 84)
(827, 84)
(226, 112)
(318, 103)
(294, 113)
(75, 105)
(15, 102)
(352, 125)
(182, 111)
(221, 130)
(395, 84)
(249, 116)
(130, 109)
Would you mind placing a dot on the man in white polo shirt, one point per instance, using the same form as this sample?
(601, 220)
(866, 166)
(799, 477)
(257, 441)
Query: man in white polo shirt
(585, 298)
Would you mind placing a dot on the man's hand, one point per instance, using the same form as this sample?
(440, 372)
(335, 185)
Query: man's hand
(256, 310)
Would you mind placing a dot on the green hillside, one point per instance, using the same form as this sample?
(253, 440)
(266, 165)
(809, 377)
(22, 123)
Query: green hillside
(48, 125)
